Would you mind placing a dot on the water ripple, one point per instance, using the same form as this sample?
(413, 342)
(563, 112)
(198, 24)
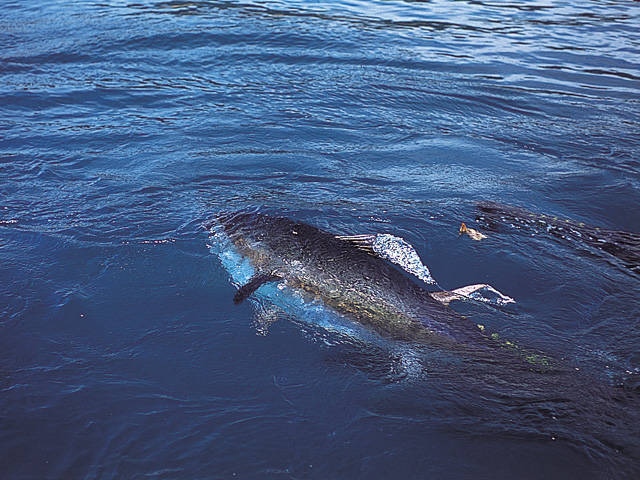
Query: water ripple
(124, 126)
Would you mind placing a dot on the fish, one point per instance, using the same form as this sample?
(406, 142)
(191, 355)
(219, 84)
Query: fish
(356, 277)
(353, 276)
(622, 245)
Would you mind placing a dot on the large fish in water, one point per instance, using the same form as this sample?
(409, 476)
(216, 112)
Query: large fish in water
(354, 277)
(625, 246)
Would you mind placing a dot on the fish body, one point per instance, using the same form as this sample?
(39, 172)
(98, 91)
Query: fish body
(536, 394)
(346, 277)
(625, 246)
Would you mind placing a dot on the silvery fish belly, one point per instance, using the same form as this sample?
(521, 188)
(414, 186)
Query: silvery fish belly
(345, 274)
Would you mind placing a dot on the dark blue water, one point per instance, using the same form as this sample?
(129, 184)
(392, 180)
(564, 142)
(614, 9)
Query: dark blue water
(125, 126)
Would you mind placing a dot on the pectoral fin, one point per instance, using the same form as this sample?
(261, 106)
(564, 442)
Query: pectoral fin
(253, 284)
(461, 293)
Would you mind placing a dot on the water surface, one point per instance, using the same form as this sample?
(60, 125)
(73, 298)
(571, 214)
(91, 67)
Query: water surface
(125, 126)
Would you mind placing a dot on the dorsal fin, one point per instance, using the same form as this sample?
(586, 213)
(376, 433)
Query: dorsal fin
(363, 242)
(394, 249)
(462, 293)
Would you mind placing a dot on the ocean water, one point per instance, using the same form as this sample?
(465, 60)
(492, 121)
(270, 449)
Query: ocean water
(125, 126)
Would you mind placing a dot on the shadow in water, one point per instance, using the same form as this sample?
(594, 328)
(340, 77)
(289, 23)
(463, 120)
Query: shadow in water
(498, 398)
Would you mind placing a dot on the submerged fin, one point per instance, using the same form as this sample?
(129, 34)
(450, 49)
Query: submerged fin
(394, 249)
(253, 284)
(265, 317)
(462, 293)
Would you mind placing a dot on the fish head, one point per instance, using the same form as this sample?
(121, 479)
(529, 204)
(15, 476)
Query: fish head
(269, 242)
